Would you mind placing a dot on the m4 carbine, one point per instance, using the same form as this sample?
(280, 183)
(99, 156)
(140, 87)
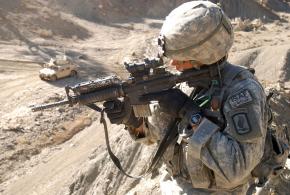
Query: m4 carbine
(145, 77)
(148, 76)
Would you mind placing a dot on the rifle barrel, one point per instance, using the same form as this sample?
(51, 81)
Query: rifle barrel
(49, 105)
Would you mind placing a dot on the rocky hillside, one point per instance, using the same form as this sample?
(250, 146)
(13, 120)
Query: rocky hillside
(62, 151)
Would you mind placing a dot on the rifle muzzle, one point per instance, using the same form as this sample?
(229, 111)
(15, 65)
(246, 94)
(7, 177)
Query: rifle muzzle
(50, 105)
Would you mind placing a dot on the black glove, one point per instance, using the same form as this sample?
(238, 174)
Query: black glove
(173, 101)
(121, 112)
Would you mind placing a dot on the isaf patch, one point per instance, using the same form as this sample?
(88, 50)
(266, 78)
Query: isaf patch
(241, 123)
(240, 98)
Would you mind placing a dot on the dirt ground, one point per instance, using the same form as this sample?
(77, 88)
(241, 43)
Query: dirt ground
(62, 150)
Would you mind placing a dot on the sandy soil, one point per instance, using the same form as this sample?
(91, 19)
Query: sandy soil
(61, 151)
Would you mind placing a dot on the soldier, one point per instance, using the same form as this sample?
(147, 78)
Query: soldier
(222, 124)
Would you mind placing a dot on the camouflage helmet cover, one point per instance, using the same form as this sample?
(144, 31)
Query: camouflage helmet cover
(196, 30)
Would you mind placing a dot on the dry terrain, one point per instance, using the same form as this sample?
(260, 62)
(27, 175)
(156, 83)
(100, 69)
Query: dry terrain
(62, 150)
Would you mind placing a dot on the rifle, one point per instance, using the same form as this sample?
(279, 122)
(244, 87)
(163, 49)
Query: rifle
(147, 76)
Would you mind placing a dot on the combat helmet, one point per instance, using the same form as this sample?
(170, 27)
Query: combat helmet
(198, 31)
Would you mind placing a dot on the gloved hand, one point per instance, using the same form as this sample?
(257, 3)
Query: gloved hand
(121, 112)
(173, 102)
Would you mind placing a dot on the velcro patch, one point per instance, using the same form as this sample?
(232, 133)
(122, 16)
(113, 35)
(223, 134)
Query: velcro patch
(244, 124)
(241, 123)
(240, 98)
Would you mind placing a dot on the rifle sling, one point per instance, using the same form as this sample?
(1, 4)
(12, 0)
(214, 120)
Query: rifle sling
(169, 137)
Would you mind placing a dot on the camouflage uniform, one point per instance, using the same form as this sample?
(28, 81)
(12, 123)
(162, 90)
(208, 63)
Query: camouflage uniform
(216, 159)
(228, 144)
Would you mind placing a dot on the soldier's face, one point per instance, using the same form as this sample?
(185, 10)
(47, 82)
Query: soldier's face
(184, 65)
